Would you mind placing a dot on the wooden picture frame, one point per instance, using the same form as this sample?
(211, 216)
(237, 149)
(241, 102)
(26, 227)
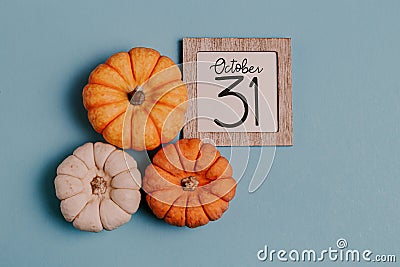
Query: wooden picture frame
(282, 47)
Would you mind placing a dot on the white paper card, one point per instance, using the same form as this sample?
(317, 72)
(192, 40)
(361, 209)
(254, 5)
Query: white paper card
(237, 92)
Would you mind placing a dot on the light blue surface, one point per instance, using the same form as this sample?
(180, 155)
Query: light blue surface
(340, 179)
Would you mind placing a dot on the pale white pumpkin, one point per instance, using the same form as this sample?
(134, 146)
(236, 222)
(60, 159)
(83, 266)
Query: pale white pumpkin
(98, 186)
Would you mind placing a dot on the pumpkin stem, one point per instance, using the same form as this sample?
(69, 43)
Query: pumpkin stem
(136, 96)
(189, 183)
(99, 185)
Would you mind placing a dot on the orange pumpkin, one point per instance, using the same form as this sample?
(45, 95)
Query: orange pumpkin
(136, 99)
(189, 183)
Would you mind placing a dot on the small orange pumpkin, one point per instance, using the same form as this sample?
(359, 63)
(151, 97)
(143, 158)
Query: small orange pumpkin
(136, 99)
(189, 183)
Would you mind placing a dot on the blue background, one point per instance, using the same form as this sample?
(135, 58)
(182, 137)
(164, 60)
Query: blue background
(340, 179)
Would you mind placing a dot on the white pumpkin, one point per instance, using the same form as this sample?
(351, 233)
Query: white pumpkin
(98, 187)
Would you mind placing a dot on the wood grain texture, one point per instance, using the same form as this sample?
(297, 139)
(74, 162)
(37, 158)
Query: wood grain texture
(284, 136)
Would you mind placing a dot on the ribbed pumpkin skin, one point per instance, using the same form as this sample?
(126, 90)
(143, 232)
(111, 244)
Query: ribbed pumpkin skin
(171, 193)
(98, 186)
(154, 116)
